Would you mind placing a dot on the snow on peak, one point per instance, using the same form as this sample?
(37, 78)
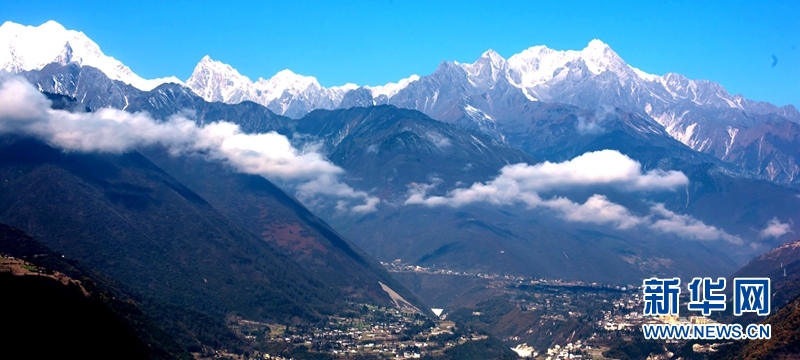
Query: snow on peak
(390, 89)
(486, 70)
(211, 65)
(596, 45)
(287, 80)
(26, 48)
(216, 81)
(538, 64)
(345, 88)
(645, 76)
(493, 56)
(496, 62)
(50, 24)
(599, 57)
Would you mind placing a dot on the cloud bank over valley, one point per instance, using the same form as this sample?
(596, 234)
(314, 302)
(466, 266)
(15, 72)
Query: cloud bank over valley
(26, 111)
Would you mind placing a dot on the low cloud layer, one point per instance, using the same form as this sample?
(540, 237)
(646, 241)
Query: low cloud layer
(25, 111)
(605, 167)
(521, 183)
(594, 124)
(775, 229)
(686, 226)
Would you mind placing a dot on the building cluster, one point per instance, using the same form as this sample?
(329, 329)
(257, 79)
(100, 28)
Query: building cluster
(385, 332)
(576, 350)
(548, 304)
(398, 266)
(627, 317)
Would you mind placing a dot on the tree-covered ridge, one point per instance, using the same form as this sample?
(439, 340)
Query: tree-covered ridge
(70, 312)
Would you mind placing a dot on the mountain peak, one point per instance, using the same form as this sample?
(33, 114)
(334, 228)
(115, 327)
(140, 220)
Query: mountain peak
(597, 45)
(486, 70)
(208, 68)
(291, 75)
(215, 66)
(491, 54)
(27, 48)
(54, 25)
(535, 50)
(286, 92)
(292, 81)
(497, 62)
(285, 73)
(599, 57)
(214, 80)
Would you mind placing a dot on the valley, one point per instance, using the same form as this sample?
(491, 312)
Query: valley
(506, 208)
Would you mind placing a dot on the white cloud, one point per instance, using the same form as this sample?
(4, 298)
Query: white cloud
(604, 167)
(588, 127)
(775, 229)
(438, 140)
(594, 125)
(24, 110)
(688, 227)
(443, 143)
(370, 206)
(521, 183)
(329, 185)
(597, 209)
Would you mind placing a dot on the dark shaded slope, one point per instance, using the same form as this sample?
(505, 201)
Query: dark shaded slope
(782, 266)
(252, 202)
(192, 329)
(784, 343)
(125, 217)
(740, 205)
(66, 322)
(45, 317)
(280, 220)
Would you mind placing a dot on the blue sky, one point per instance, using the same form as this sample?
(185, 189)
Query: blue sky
(374, 42)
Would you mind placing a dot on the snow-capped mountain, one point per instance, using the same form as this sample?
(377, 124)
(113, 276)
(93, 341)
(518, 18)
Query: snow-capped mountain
(390, 89)
(540, 73)
(551, 75)
(25, 48)
(285, 93)
(701, 114)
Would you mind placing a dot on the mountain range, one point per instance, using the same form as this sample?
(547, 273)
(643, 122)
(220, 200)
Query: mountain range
(385, 150)
(276, 200)
(757, 136)
(539, 105)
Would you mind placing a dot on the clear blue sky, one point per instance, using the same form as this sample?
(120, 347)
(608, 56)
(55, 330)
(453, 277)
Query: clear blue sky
(373, 42)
